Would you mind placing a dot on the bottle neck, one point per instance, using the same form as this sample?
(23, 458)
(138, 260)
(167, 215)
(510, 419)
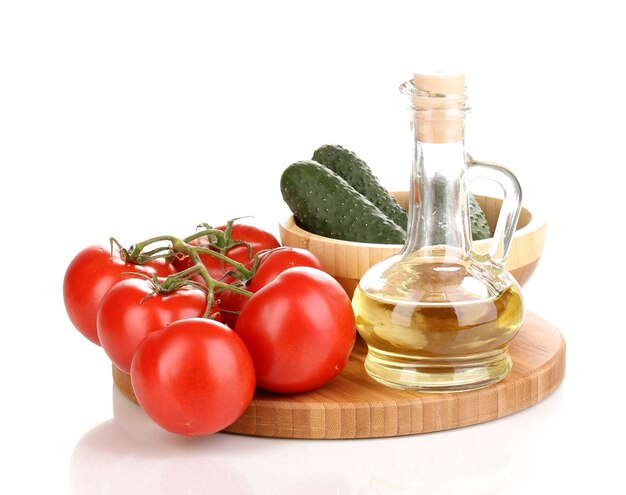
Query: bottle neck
(438, 216)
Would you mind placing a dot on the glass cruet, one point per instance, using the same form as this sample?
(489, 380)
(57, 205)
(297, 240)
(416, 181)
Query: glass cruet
(438, 316)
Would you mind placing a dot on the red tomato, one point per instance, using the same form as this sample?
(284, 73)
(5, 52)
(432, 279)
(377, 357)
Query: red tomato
(128, 313)
(299, 330)
(258, 239)
(276, 261)
(88, 278)
(271, 264)
(194, 377)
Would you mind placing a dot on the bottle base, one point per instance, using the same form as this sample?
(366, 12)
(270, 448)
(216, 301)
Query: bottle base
(438, 374)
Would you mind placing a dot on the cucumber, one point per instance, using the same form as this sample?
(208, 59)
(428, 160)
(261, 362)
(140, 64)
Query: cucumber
(324, 203)
(358, 174)
(478, 221)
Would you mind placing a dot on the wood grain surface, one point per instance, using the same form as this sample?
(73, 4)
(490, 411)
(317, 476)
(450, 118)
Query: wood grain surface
(355, 406)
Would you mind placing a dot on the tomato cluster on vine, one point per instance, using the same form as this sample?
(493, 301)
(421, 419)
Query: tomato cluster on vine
(200, 322)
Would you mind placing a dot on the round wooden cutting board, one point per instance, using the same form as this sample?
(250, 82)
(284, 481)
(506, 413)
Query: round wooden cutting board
(355, 406)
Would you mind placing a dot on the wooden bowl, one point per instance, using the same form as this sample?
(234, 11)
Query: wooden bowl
(348, 261)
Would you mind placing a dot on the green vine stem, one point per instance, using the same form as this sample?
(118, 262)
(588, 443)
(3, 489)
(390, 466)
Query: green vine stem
(219, 235)
(136, 254)
(240, 267)
(223, 239)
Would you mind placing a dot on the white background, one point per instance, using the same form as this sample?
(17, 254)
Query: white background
(136, 119)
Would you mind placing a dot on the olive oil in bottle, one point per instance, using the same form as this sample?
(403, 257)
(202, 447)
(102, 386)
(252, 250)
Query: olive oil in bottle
(437, 327)
(438, 316)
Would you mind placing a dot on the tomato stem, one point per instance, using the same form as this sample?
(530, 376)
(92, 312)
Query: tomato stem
(219, 235)
(224, 241)
(240, 267)
(211, 283)
(136, 254)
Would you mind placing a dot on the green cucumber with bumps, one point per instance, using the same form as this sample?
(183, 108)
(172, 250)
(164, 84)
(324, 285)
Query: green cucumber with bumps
(325, 204)
(358, 174)
(478, 220)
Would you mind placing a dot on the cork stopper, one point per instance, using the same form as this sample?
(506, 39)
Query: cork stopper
(439, 102)
(440, 83)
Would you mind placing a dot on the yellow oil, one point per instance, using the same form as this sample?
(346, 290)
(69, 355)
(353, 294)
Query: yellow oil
(434, 325)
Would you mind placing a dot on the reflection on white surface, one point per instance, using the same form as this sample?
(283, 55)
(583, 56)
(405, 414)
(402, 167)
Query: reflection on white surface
(131, 455)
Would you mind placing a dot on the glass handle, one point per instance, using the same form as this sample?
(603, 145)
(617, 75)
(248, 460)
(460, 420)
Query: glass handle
(509, 211)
